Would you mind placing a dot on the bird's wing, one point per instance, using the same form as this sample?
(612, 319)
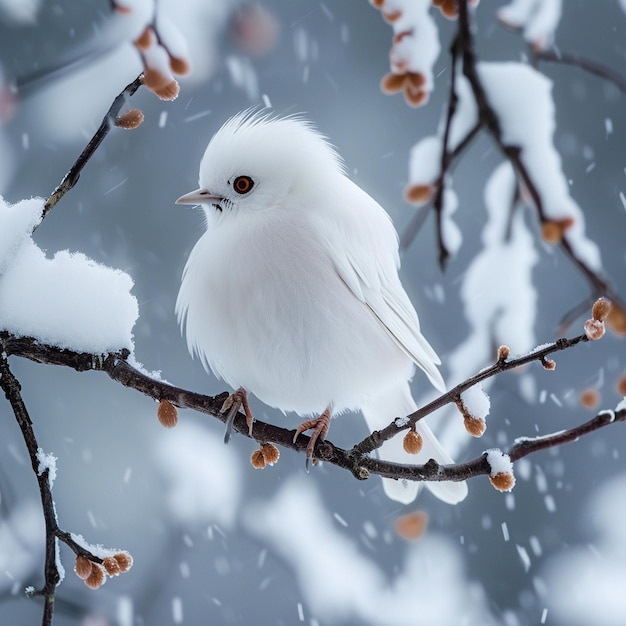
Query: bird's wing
(363, 246)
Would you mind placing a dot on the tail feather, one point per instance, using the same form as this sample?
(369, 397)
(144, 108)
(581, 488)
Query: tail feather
(378, 413)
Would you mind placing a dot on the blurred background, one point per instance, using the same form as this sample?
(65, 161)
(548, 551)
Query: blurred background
(215, 541)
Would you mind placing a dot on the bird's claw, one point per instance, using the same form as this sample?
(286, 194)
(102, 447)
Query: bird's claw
(319, 429)
(238, 398)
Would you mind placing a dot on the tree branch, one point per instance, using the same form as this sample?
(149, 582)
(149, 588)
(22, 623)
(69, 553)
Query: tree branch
(446, 161)
(71, 178)
(414, 226)
(588, 65)
(377, 438)
(52, 576)
(358, 459)
(433, 471)
(453, 100)
(599, 285)
(12, 390)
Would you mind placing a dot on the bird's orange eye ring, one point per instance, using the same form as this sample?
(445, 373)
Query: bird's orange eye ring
(243, 184)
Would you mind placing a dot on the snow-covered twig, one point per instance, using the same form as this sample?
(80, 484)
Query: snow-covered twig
(490, 118)
(449, 153)
(599, 285)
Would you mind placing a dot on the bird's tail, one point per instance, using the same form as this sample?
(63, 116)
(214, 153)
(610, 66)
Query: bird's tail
(378, 413)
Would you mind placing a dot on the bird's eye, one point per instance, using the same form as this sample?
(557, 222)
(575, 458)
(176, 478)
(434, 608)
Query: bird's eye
(243, 184)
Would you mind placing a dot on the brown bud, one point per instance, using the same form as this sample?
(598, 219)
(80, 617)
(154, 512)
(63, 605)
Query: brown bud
(129, 120)
(548, 364)
(412, 442)
(502, 481)
(475, 426)
(398, 37)
(111, 566)
(552, 231)
(377, 4)
(449, 9)
(169, 92)
(257, 460)
(616, 320)
(416, 80)
(121, 8)
(589, 398)
(124, 560)
(594, 329)
(419, 194)
(97, 577)
(601, 308)
(167, 414)
(270, 453)
(163, 86)
(83, 567)
(412, 526)
(392, 82)
(621, 386)
(144, 41)
(392, 16)
(503, 353)
(179, 66)
(415, 97)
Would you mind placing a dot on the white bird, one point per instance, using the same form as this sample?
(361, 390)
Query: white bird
(293, 294)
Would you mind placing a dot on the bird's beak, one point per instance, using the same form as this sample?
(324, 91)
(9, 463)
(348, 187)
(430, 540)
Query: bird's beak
(199, 196)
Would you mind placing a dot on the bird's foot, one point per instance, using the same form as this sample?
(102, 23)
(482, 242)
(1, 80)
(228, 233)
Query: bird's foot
(238, 398)
(319, 429)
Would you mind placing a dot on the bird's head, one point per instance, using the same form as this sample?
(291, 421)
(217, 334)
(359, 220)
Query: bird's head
(257, 162)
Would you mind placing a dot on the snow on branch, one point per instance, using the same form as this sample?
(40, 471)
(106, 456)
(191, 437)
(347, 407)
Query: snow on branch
(537, 19)
(414, 51)
(72, 302)
(68, 300)
(513, 103)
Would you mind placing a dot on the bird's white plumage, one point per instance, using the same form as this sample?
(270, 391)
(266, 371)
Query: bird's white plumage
(293, 291)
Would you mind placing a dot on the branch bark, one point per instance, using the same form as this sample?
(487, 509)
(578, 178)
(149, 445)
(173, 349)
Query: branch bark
(12, 391)
(71, 178)
(588, 65)
(358, 460)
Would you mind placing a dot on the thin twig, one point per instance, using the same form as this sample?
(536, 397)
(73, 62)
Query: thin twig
(377, 438)
(71, 178)
(453, 100)
(414, 226)
(433, 471)
(12, 390)
(588, 65)
(446, 161)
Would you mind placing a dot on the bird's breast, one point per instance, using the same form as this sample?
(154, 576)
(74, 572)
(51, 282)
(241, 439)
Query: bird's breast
(266, 310)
